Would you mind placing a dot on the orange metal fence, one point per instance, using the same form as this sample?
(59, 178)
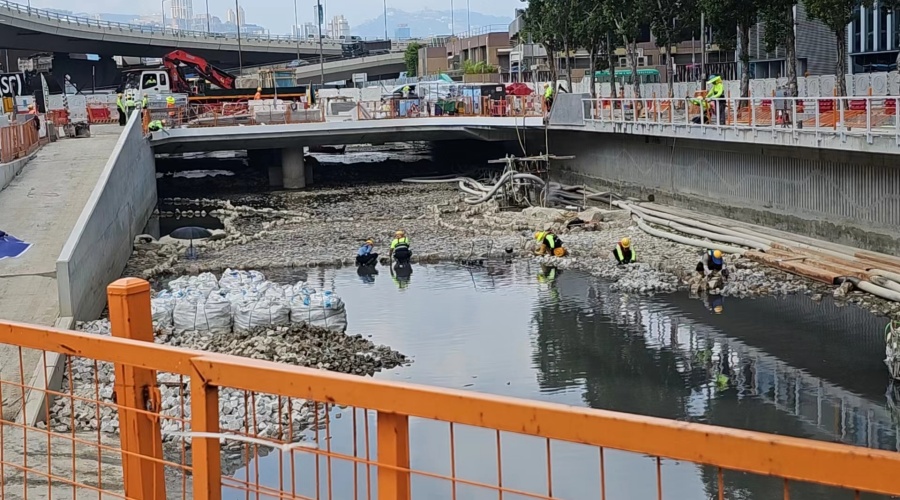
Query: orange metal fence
(414, 107)
(209, 439)
(18, 140)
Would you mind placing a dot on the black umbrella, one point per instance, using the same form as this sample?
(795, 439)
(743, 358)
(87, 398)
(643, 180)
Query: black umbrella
(191, 233)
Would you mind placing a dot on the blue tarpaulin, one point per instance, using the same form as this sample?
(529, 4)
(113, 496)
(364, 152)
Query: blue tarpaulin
(12, 247)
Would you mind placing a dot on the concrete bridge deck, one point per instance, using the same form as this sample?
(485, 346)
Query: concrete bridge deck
(41, 206)
(182, 140)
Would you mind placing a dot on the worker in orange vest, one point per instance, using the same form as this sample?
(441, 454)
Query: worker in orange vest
(258, 95)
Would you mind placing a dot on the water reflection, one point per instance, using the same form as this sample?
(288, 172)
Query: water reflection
(788, 366)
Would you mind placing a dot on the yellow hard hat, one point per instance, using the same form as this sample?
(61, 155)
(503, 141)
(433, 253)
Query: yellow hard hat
(539, 235)
(371, 242)
(625, 242)
(120, 95)
(258, 89)
(718, 309)
(717, 254)
(399, 233)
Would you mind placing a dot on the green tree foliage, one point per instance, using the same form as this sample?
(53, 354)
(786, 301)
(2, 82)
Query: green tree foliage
(477, 68)
(837, 14)
(545, 23)
(667, 20)
(778, 16)
(592, 29)
(734, 17)
(411, 58)
(627, 17)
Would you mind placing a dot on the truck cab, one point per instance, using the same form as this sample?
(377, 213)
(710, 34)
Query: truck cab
(149, 82)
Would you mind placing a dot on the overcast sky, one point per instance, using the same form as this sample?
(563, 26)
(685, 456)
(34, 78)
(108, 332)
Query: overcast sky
(277, 15)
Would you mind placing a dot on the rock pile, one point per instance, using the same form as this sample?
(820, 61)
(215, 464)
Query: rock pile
(272, 417)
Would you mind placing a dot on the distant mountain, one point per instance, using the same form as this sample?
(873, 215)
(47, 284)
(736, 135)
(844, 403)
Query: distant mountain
(429, 22)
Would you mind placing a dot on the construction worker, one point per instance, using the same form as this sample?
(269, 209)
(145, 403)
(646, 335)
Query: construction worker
(405, 91)
(258, 95)
(365, 256)
(711, 263)
(716, 93)
(156, 126)
(548, 96)
(550, 244)
(145, 101)
(400, 248)
(120, 106)
(129, 105)
(170, 105)
(624, 253)
(705, 115)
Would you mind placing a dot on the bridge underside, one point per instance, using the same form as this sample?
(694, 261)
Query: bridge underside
(191, 140)
(19, 38)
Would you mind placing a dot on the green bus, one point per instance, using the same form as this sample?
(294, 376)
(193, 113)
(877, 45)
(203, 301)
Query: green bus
(646, 75)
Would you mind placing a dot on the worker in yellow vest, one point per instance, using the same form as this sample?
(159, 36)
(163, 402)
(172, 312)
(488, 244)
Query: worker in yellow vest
(170, 105)
(120, 107)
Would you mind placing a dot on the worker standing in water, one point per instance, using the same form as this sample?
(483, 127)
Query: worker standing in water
(120, 107)
(365, 256)
(550, 244)
(624, 253)
(400, 248)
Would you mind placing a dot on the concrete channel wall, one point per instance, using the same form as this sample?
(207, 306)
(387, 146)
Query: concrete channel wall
(9, 171)
(102, 240)
(847, 197)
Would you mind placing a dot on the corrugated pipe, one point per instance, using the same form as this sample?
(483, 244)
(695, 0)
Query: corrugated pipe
(686, 241)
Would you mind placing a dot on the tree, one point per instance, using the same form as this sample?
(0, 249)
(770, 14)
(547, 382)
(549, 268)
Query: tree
(667, 17)
(627, 17)
(837, 14)
(734, 16)
(592, 33)
(411, 58)
(543, 25)
(778, 16)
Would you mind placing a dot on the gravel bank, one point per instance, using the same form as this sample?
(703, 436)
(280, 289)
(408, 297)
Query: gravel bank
(274, 417)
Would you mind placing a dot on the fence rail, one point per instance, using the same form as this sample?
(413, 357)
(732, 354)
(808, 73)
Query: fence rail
(414, 107)
(191, 446)
(18, 140)
(869, 116)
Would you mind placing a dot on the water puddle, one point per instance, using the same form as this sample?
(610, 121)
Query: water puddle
(781, 365)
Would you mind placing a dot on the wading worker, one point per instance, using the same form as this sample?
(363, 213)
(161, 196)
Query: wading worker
(400, 247)
(712, 262)
(550, 244)
(624, 253)
(365, 256)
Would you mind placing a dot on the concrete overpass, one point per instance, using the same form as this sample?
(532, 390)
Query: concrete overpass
(205, 139)
(376, 68)
(37, 30)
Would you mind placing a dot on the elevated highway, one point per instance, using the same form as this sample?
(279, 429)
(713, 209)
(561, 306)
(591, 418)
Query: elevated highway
(378, 67)
(36, 30)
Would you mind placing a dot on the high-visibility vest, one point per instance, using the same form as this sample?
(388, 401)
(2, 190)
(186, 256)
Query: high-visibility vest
(400, 243)
(621, 254)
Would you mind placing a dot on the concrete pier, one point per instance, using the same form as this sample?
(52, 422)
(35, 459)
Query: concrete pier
(293, 169)
(41, 206)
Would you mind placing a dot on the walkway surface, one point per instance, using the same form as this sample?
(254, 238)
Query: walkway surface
(41, 207)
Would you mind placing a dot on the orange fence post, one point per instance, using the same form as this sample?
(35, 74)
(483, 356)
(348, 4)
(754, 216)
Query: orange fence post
(135, 389)
(393, 451)
(207, 471)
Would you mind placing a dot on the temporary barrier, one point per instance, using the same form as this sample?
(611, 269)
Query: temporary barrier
(19, 139)
(177, 411)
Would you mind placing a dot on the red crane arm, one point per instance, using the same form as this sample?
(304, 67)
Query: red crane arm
(174, 59)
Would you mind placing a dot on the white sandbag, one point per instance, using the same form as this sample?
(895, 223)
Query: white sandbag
(237, 279)
(212, 315)
(161, 309)
(265, 312)
(323, 310)
(204, 283)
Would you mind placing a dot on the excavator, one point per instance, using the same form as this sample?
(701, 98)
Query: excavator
(171, 79)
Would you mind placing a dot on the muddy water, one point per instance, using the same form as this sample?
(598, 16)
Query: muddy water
(789, 366)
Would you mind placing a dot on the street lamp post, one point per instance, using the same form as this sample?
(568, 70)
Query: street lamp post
(385, 21)
(237, 17)
(297, 29)
(452, 20)
(321, 46)
(468, 19)
(162, 6)
(208, 30)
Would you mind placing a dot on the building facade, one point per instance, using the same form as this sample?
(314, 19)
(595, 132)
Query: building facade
(873, 40)
(338, 28)
(182, 14)
(816, 51)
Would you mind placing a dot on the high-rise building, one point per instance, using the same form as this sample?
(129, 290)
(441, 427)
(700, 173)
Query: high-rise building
(242, 19)
(232, 18)
(182, 14)
(310, 30)
(402, 32)
(339, 27)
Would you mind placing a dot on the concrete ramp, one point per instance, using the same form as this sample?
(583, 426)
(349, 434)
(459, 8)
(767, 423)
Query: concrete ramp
(569, 109)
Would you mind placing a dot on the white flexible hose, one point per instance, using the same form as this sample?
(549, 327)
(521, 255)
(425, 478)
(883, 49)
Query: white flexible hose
(886, 274)
(686, 241)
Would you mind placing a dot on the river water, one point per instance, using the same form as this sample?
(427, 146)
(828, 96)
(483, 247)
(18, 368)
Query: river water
(789, 366)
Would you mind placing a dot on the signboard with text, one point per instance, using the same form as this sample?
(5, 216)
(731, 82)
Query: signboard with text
(12, 84)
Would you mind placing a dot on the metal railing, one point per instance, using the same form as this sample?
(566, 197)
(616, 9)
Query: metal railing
(188, 427)
(415, 107)
(19, 139)
(865, 116)
(140, 28)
